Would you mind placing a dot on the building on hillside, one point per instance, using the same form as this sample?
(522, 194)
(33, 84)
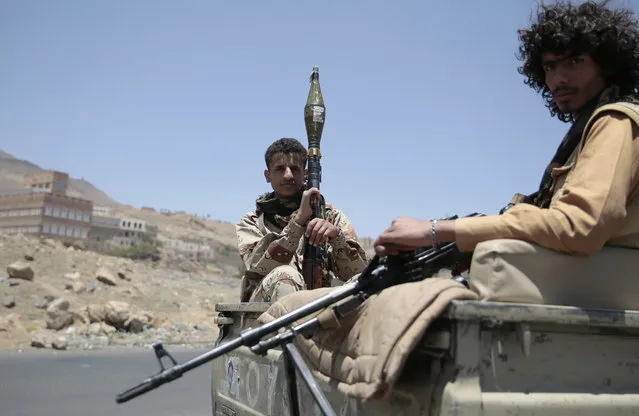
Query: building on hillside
(133, 225)
(40, 211)
(102, 211)
(178, 249)
(43, 207)
(104, 229)
(131, 232)
(121, 231)
(51, 181)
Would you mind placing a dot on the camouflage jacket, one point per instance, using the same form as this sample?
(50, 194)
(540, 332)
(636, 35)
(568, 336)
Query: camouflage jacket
(264, 245)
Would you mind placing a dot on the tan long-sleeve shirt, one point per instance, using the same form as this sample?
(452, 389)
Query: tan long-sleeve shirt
(594, 197)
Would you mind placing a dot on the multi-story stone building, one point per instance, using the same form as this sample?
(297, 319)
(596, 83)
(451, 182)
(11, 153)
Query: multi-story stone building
(132, 226)
(120, 231)
(39, 210)
(52, 181)
(43, 207)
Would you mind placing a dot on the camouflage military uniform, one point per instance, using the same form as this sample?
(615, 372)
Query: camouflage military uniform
(271, 245)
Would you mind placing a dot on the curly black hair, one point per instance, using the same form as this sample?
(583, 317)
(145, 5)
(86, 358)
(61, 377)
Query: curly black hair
(284, 145)
(610, 37)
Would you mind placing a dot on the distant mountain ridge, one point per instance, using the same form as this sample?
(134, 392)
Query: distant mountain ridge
(12, 170)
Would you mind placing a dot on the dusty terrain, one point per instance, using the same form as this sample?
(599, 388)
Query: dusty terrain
(62, 297)
(57, 296)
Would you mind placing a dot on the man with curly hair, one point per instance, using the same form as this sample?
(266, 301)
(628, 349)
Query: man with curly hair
(269, 238)
(585, 62)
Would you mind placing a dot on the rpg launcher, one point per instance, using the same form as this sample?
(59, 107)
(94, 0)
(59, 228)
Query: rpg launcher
(379, 274)
(314, 117)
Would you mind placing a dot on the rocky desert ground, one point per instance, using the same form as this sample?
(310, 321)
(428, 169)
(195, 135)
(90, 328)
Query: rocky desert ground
(57, 295)
(54, 296)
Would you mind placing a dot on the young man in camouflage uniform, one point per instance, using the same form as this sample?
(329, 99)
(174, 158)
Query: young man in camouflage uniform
(269, 238)
(585, 61)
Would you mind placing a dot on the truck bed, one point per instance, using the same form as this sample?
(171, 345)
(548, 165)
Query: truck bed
(479, 358)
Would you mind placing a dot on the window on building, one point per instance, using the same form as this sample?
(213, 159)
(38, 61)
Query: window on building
(56, 212)
(47, 227)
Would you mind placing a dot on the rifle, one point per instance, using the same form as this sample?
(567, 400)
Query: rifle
(314, 116)
(379, 274)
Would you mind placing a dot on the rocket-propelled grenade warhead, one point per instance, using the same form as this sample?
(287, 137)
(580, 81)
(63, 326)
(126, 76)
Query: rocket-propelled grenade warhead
(314, 116)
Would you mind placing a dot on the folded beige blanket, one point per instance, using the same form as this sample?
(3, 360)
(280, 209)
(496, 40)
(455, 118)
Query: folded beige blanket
(364, 355)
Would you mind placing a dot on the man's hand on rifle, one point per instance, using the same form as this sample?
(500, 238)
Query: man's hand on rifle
(320, 230)
(406, 233)
(305, 212)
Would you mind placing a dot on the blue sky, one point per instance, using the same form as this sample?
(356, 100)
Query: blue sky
(172, 104)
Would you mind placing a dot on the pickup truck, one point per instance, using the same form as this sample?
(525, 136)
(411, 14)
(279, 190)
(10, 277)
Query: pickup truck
(550, 334)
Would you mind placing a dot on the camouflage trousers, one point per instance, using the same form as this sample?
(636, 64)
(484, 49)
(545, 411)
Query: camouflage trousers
(281, 281)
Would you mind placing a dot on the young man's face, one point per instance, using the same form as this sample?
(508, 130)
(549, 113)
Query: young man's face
(572, 79)
(286, 173)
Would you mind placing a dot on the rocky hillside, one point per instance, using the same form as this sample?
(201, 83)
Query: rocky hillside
(61, 297)
(12, 170)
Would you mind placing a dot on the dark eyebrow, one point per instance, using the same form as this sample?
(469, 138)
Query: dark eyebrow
(556, 61)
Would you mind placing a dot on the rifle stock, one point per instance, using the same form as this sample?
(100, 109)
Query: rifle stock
(379, 274)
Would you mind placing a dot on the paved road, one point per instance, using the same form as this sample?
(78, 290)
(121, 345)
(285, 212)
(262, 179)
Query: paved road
(82, 383)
